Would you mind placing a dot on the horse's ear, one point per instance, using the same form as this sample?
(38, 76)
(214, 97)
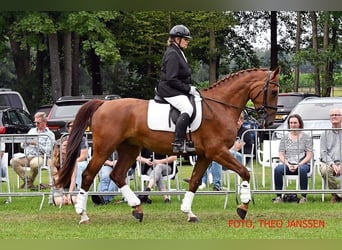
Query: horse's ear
(276, 71)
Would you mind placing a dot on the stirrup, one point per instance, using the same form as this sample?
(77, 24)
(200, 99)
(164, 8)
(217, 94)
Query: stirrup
(177, 147)
(187, 147)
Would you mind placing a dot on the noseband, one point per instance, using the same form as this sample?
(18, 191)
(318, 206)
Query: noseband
(261, 111)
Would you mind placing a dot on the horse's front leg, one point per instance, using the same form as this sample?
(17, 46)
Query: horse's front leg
(195, 180)
(226, 159)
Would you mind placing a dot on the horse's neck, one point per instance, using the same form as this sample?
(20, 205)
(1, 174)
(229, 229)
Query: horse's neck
(234, 92)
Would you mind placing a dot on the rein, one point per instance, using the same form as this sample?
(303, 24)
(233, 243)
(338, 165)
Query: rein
(261, 111)
(223, 103)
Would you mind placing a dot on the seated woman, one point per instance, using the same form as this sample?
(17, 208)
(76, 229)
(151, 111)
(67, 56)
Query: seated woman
(81, 164)
(156, 166)
(59, 197)
(295, 152)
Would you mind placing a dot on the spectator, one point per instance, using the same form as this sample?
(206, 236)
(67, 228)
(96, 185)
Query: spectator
(34, 151)
(63, 195)
(295, 152)
(156, 166)
(81, 159)
(331, 150)
(106, 184)
(243, 141)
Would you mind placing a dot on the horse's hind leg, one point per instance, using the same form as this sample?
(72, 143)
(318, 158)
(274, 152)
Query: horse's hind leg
(127, 155)
(88, 176)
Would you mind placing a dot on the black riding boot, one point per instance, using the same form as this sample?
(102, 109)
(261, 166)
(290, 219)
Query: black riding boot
(179, 143)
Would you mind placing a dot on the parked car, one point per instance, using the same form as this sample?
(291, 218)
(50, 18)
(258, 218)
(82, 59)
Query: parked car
(286, 102)
(315, 114)
(14, 121)
(66, 108)
(44, 108)
(12, 98)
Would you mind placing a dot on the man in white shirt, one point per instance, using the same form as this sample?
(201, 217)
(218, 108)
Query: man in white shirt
(34, 151)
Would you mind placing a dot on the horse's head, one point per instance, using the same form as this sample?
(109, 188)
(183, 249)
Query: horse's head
(265, 97)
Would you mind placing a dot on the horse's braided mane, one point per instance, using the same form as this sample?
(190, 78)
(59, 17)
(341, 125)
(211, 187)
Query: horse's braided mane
(232, 75)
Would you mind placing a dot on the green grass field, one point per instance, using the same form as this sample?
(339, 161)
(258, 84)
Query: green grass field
(22, 219)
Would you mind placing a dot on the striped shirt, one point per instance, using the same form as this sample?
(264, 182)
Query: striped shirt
(295, 151)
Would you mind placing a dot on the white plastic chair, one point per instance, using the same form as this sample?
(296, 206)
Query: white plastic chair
(226, 173)
(6, 179)
(131, 176)
(250, 167)
(45, 166)
(171, 176)
(266, 157)
(311, 175)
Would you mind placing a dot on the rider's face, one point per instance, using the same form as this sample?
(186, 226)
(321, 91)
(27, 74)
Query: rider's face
(183, 42)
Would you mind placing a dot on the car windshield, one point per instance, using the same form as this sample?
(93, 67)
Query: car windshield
(66, 111)
(287, 101)
(315, 111)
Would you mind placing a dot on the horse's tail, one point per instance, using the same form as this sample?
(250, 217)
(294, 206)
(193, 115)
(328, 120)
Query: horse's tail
(82, 120)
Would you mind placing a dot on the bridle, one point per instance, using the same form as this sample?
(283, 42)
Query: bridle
(261, 111)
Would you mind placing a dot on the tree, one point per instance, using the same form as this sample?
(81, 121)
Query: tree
(315, 52)
(298, 35)
(274, 43)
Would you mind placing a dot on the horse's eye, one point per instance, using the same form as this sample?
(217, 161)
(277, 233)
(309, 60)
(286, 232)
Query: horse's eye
(274, 93)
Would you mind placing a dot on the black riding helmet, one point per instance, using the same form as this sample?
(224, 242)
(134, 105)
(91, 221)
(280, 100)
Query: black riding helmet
(180, 31)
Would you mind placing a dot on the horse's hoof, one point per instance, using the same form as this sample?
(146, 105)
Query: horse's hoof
(193, 219)
(241, 212)
(137, 215)
(86, 221)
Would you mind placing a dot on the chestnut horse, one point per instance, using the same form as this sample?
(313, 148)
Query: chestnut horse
(122, 125)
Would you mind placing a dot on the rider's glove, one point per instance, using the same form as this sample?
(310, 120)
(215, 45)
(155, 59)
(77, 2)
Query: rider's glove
(193, 90)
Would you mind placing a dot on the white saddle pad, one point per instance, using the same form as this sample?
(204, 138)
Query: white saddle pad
(158, 116)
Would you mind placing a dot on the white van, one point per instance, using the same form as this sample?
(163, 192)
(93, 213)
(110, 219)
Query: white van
(12, 98)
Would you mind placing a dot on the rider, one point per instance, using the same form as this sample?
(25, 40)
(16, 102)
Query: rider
(175, 84)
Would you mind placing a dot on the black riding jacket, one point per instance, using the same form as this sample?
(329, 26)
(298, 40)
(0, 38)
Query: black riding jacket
(175, 74)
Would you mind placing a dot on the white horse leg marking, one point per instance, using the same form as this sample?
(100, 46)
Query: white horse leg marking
(245, 192)
(81, 201)
(187, 202)
(130, 197)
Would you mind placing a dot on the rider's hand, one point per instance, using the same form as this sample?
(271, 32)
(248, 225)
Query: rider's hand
(193, 90)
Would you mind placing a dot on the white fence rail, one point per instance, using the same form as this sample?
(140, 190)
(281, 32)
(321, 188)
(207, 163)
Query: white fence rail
(265, 156)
